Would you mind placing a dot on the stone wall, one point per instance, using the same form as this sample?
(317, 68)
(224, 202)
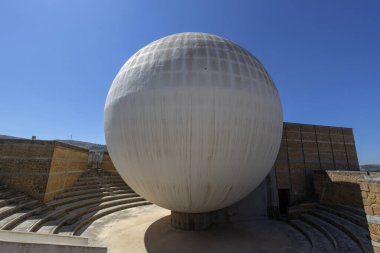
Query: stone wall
(95, 159)
(261, 202)
(107, 164)
(339, 187)
(39, 168)
(25, 165)
(305, 148)
(370, 191)
(67, 165)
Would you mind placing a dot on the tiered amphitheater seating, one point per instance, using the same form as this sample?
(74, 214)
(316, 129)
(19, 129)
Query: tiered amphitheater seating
(335, 228)
(94, 195)
(14, 204)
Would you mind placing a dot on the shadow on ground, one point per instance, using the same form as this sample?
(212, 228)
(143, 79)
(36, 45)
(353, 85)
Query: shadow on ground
(253, 236)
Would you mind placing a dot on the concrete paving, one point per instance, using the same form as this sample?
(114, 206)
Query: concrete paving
(147, 229)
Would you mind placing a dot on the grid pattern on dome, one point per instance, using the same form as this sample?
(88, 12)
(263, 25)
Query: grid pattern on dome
(193, 122)
(196, 59)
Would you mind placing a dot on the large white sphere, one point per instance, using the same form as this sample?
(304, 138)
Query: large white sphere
(193, 122)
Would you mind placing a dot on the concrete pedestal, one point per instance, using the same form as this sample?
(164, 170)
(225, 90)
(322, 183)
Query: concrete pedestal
(191, 221)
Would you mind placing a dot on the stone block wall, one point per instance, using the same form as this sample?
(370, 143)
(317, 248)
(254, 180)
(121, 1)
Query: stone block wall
(67, 165)
(370, 191)
(39, 168)
(107, 164)
(305, 148)
(25, 165)
(95, 159)
(339, 187)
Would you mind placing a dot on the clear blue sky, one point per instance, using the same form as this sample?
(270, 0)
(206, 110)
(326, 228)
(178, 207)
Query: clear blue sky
(59, 57)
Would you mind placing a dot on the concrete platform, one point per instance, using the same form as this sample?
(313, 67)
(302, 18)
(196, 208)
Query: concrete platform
(148, 229)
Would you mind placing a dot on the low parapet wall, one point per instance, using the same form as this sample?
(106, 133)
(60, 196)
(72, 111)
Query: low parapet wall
(340, 187)
(28, 247)
(370, 191)
(30, 237)
(41, 169)
(29, 242)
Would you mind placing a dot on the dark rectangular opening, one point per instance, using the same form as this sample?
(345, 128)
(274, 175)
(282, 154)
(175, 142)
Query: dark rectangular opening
(283, 197)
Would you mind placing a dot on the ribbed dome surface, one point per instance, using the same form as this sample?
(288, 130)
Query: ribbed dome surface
(193, 122)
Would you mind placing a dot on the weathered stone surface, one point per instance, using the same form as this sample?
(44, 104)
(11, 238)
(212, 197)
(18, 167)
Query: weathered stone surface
(41, 169)
(369, 187)
(368, 210)
(191, 221)
(107, 164)
(305, 148)
(364, 186)
(341, 187)
(376, 209)
(67, 166)
(374, 228)
(374, 187)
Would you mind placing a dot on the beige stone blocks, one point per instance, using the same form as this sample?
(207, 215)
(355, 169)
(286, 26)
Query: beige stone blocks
(305, 148)
(339, 187)
(370, 192)
(67, 166)
(107, 164)
(41, 169)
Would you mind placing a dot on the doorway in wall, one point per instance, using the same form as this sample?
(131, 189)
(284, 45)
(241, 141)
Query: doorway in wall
(283, 197)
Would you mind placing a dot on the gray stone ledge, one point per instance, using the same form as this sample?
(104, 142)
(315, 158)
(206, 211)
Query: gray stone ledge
(373, 219)
(374, 179)
(375, 244)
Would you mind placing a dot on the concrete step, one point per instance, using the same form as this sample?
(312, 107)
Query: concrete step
(72, 199)
(343, 242)
(8, 210)
(88, 187)
(3, 187)
(8, 194)
(93, 184)
(3, 202)
(352, 217)
(86, 220)
(26, 225)
(62, 210)
(10, 218)
(2, 191)
(79, 188)
(75, 215)
(80, 197)
(23, 237)
(310, 220)
(46, 228)
(97, 184)
(20, 217)
(20, 197)
(98, 177)
(355, 232)
(320, 243)
(97, 201)
(351, 209)
(88, 191)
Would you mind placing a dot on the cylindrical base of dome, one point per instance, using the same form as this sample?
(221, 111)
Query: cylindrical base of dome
(191, 221)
